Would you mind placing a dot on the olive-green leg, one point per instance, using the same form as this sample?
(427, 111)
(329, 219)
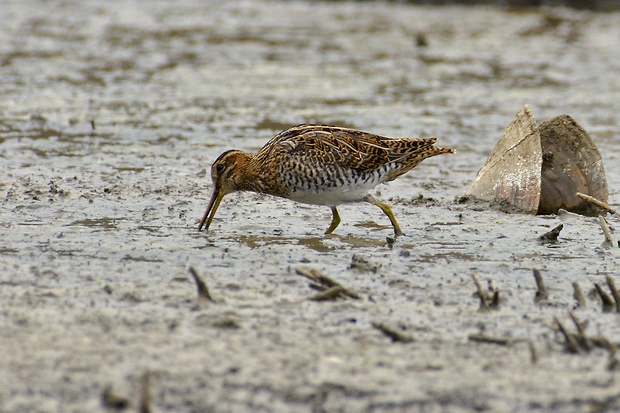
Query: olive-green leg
(388, 211)
(335, 221)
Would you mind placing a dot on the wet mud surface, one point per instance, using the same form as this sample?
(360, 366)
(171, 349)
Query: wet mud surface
(111, 115)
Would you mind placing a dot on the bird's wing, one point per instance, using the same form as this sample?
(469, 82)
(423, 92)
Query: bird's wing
(320, 145)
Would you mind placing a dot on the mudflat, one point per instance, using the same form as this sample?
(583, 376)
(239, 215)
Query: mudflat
(110, 118)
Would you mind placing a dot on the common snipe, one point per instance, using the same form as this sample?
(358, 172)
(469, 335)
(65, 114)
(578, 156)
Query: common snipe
(320, 165)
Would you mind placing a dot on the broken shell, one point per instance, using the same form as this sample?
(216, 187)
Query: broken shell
(540, 169)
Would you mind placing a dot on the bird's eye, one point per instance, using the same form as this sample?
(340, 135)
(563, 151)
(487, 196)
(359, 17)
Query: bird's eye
(219, 168)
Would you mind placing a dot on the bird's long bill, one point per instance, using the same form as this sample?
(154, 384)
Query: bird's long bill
(214, 202)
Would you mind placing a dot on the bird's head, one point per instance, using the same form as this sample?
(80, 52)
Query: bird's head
(226, 174)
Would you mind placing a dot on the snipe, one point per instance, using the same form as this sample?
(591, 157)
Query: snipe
(320, 165)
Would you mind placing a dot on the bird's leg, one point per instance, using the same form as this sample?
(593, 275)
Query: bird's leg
(387, 211)
(335, 221)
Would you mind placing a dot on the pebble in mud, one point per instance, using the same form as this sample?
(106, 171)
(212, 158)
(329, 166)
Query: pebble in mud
(363, 264)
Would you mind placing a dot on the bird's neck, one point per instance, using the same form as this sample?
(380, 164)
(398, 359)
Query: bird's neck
(251, 175)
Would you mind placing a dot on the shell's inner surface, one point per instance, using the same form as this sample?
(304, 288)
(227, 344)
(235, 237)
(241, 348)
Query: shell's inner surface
(571, 164)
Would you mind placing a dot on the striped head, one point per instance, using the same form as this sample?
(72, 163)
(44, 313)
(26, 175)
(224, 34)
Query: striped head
(227, 175)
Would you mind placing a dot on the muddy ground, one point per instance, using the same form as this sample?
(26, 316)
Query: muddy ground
(111, 114)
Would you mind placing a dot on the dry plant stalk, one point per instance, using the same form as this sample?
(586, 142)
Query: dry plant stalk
(330, 294)
(533, 354)
(484, 306)
(581, 332)
(482, 338)
(579, 341)
(111, 400)
(393, 333)
(495, 298)
(541, 293)
(609, 305)
(571, 343)
(578, 294)
(614, 291)
(502, 341)
(145, 394)
(598, 203)
(608, 238)
(330, 288)
(203, 291)
(317, 276)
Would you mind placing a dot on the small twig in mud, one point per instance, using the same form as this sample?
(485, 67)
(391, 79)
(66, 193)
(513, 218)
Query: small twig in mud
(484, 296)
(501, 341)
(602, 342)
(578, 294)
(330, 288)
(614, 292)
(145, 394)
(541, 293)
(393, 333)
(111, 400)
(576, 342)
(482, 338)
(203, 291)
(495, 300)
(317, 276)
(596, 202)
(484, 306)
(579, 341)
(609, 241)
(571, 343)
(608, 304)
(614, 363)
(330, 294)
(585, 342)
(533, 354)
(552, 235)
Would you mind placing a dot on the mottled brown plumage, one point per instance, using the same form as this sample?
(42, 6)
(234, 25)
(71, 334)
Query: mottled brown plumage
(321, 165)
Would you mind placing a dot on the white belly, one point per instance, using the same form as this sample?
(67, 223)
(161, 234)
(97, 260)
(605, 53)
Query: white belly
(333, 196)
(331, 185)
